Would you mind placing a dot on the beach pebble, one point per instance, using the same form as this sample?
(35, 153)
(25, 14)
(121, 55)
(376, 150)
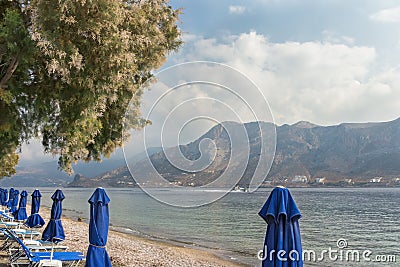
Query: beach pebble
(130, 250)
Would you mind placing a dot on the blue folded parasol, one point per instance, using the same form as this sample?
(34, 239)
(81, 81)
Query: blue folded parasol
(97, 255)
(54, 230)
(282, 246)
(35, 220)
(20, 213)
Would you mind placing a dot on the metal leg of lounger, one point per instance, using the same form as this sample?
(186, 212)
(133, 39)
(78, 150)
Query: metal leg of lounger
(7, 243)
(74, 263)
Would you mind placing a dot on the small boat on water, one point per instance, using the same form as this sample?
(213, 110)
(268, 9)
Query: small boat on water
(240, 189)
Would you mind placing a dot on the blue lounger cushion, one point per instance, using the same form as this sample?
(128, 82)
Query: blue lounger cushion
(57, 255)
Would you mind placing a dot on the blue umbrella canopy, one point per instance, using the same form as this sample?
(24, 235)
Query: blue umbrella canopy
(97, 255)
(54, 230)
(4, 197)
(35, 220)
(14, 203)
(20, 213)
(283, 232)
(10, 198)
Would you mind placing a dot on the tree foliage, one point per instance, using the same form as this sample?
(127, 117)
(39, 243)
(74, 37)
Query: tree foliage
(69, 69)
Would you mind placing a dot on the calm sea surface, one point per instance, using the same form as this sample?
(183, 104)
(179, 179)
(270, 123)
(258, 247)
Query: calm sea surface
(367, 219)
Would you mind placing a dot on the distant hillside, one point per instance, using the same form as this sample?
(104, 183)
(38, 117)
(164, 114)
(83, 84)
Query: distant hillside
(37, 175)
(119, 177)
(349, 150)
(116, 178)
(352, 150)
(47, 174)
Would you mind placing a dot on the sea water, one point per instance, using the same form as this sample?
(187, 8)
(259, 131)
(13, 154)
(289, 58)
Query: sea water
(337, 224)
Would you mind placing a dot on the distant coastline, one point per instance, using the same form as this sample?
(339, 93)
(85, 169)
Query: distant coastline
(348, 154)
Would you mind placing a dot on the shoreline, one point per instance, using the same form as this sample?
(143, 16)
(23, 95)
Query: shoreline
(127, 248)
(221, 254)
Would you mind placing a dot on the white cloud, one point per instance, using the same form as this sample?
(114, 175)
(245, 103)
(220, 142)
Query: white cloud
(188, 111)
(335, 38)
(325, 83)
(33, 152)
(237, 9)
(387, 15)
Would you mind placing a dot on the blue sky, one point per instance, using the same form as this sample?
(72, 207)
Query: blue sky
(324, 61)
(291, 20)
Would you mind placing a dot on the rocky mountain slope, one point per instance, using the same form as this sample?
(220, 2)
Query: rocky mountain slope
(349, 150)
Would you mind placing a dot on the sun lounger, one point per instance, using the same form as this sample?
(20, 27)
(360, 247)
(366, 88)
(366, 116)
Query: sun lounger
(19, 232)
(23, 233)
(10, 225)
(33, 245)
(47, 248)
(25, 256)
(33, 259)
(6, 216)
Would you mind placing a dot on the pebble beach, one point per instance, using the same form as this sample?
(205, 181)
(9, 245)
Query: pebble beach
(130, 250)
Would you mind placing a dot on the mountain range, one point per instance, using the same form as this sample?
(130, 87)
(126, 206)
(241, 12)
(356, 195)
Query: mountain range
(47, 174)
(359, 151)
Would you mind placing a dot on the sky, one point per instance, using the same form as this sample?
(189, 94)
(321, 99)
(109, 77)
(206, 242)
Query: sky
(323, 61)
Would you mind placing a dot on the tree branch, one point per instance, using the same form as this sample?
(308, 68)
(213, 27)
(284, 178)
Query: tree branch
(10, 70)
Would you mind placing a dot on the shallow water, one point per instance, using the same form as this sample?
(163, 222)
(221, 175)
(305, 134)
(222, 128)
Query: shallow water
(367, 218)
